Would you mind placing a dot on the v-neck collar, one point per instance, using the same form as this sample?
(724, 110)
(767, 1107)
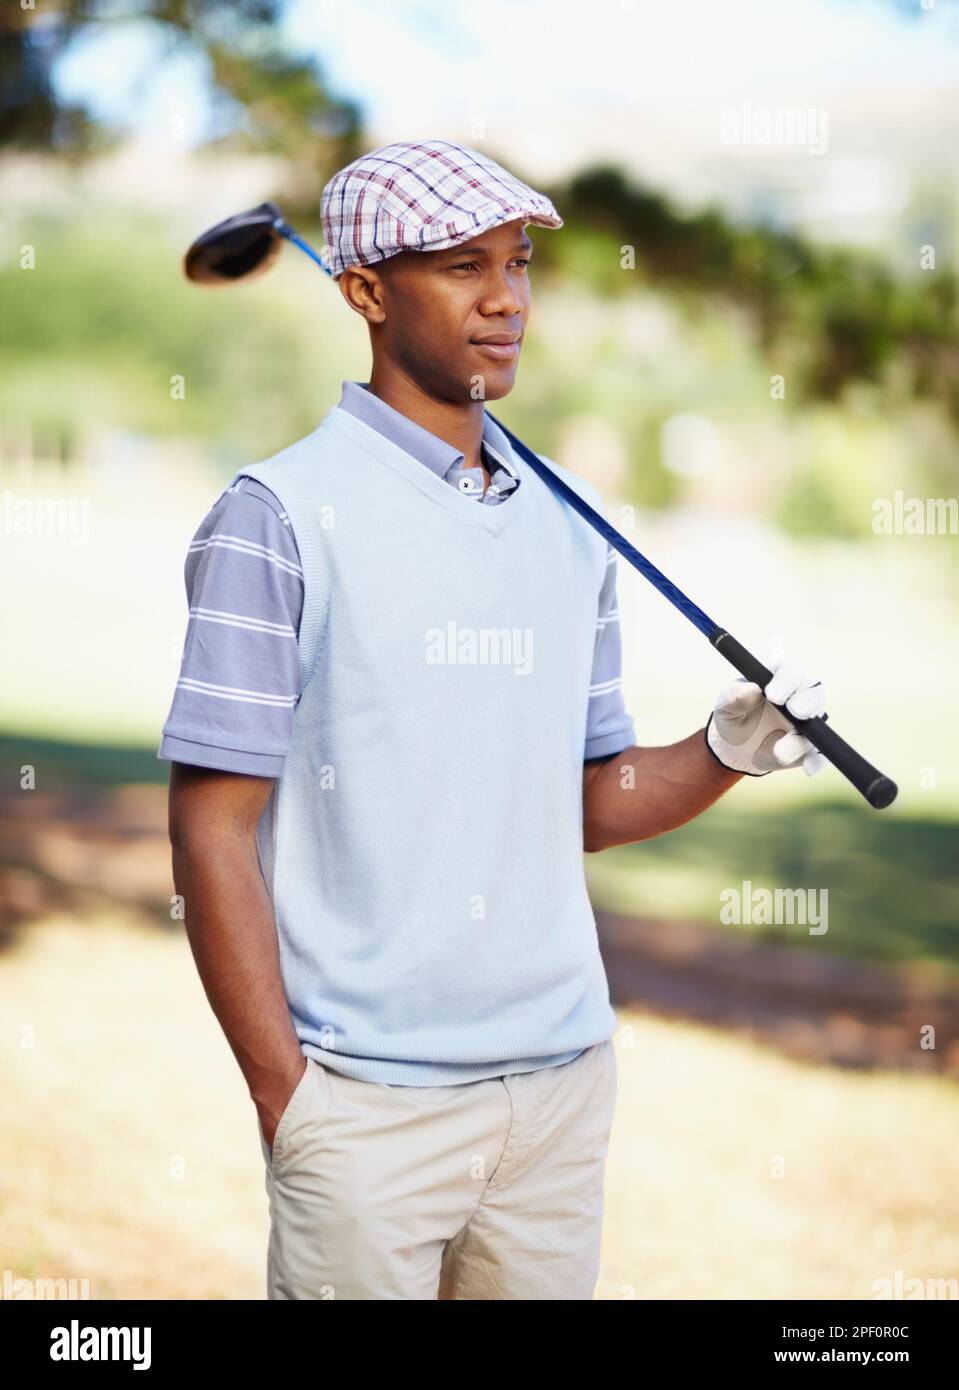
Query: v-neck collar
(492, 519)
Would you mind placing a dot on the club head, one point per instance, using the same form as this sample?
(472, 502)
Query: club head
(238, 249)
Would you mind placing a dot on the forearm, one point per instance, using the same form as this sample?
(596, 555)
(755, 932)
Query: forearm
(232, 934)
(642, 792)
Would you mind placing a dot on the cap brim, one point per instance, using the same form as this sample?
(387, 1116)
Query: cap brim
(527, 216)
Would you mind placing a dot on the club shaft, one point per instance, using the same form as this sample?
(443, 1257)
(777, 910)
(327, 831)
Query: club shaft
(880, 791)
(292, 235)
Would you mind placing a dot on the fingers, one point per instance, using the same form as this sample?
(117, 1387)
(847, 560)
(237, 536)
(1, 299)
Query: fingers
(807, 702)
(750, 731)
(792, 687)
(789, 749)
(788, 676)
(792, 749)
(780, 750)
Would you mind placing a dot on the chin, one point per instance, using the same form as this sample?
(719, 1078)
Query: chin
(499, 384)
(497, 380)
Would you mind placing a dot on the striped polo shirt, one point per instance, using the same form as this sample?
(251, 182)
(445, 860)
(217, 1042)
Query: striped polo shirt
(240, 679)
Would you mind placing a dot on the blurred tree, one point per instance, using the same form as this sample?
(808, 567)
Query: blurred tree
(29, 113)
(264, 98)
(826, 317)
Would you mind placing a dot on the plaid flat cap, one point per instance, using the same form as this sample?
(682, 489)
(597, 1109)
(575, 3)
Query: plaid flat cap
(423, 195)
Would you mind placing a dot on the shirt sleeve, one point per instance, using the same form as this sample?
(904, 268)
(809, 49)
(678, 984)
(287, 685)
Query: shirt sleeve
(239, 676)
(609, 728)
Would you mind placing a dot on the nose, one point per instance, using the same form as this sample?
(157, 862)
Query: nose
(500, 295)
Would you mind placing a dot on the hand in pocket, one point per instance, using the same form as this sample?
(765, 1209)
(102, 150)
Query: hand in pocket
(271, 1110)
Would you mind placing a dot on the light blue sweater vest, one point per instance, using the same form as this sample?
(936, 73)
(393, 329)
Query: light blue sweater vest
(423, 847)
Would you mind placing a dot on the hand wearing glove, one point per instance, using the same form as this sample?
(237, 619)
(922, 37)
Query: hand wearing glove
(746, 733)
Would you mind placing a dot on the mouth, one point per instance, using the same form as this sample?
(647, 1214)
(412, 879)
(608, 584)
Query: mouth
(503, 347)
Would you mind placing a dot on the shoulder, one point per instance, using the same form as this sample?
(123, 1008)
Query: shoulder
(245, 494)
(248, 501)
(247, 519)
(291, 473)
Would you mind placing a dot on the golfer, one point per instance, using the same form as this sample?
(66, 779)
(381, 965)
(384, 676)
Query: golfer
(398, 725)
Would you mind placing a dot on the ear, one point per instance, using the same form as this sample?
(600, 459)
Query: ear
(362, 288)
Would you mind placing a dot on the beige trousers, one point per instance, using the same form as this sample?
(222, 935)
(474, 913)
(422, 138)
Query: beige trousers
(489, 1189)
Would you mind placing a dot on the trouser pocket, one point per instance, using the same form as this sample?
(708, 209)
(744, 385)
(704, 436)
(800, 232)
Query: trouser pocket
(303, 1109)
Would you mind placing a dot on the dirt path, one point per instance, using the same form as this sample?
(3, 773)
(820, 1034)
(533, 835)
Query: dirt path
(815, 1007)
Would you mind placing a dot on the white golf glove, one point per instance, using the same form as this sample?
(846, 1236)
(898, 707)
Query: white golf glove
(746, 733)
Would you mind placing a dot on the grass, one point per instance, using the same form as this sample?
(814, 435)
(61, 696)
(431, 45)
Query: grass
(892, 882)
(70, 765)
(893, 889)
(735, 1174)
(130, 1155)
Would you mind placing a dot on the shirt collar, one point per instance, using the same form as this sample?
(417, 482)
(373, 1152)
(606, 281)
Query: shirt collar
(435, 453)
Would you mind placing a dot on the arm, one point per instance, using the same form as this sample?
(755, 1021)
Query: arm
(231, 929)
(245, 602)
(642, 792)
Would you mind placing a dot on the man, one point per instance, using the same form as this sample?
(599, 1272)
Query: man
(398, 724)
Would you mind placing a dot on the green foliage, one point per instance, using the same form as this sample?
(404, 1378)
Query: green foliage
(99, 329)
(826, 317)
(893, 892)
(811, 508)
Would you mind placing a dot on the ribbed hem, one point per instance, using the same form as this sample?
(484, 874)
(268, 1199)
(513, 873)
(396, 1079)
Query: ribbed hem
(396, 1073)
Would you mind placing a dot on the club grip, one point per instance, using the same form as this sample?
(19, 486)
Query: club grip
(879, 791)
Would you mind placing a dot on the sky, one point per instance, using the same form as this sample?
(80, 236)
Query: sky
(507, 61)
(558, 84)
(517, 56)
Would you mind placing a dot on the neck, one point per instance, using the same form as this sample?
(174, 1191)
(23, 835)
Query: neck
(460, 425)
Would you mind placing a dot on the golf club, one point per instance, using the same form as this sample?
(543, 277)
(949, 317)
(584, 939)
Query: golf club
(248, 244)
(242, 247)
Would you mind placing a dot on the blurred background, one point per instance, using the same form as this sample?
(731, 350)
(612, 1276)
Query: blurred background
(745, 335)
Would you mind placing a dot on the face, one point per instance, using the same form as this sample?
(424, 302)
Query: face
(451, 321)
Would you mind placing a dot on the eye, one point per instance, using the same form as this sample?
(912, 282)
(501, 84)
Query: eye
(473, 265)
